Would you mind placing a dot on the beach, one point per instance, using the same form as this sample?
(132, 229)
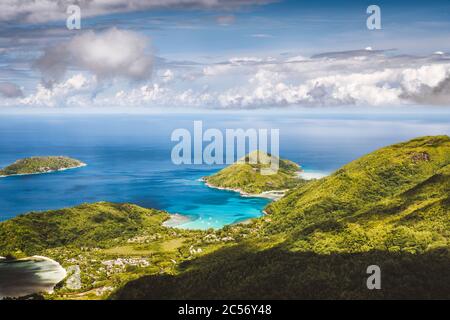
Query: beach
(270, 194)
(35, 274)
(44, 172)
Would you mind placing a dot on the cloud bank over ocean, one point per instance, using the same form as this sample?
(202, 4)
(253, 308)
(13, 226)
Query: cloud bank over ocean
(360, 77)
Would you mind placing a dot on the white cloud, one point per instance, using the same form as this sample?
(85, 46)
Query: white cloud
(167, 75)
(109, 54)
(249, 82)
(244, 60)
(391, 86)
(296, 59)
(75, 91)
(215, 70)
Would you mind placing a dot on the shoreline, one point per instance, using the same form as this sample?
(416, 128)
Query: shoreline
(44, 172)
(273, 195)
(176, 220)
(49, 277)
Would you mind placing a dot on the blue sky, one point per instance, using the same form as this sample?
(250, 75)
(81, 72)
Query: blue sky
(224, 54)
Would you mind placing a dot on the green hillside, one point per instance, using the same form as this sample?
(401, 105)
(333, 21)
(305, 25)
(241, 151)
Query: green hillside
(40, 165)
(246, 176)
(94, 224)
(390, 208)
(400, 191)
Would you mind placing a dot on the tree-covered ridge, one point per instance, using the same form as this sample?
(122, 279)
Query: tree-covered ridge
(390, 208)
(396, 194)
(244, 175)
(97, 224)
(40, 165)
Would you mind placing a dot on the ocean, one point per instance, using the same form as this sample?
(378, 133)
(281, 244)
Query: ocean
(129, 157)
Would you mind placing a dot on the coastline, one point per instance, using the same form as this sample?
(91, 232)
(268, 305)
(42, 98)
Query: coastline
(176, 220)
(44, 172)
(273, 195)
(49, 276)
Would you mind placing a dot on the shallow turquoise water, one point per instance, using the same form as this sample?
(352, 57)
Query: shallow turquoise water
(204, 212)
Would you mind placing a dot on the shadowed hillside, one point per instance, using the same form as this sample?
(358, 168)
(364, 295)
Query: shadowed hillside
(390, 208)
(243, 273)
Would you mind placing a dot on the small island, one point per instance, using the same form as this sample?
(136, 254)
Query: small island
(245, 177)
(37, 165)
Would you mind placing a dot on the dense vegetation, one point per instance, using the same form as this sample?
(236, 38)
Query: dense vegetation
(108, 243)
(390, 208)
(246, 272)
(96, 224)
(394, 199)
(40, 165)
(245, 175)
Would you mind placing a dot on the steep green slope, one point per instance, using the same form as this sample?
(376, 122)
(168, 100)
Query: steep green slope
(86, 225)
(415, 221)
(390, 208)
(40, 165)
(246, 176)
(360, 185)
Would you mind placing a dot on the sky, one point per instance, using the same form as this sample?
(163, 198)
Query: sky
(216, 54)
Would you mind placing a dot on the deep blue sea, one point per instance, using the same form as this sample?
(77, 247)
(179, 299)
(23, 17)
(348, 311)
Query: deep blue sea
(128, 157)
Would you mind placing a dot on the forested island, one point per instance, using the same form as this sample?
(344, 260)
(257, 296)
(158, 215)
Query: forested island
(38, 165)
(245, 176)
(390, 208)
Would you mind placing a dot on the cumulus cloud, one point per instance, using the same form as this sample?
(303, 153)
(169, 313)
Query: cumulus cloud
(49, 10)
(10, 90)
(328, 83)
(75, 91)
(438, 94)
(109, 54)
(263, 82)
